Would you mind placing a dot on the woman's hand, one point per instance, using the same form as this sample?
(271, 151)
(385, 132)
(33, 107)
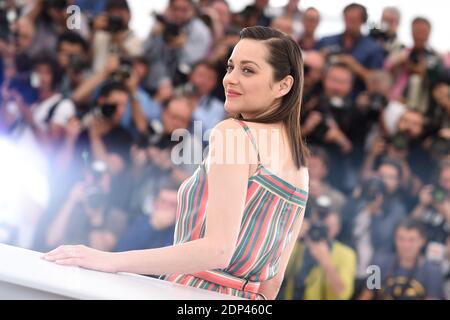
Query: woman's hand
(82, 256)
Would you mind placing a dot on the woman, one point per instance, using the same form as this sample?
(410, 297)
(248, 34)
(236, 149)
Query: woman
(237, 221)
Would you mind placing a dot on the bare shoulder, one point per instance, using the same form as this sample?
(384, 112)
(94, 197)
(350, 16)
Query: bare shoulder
(224, 125)
(303, 182)
(228, 144)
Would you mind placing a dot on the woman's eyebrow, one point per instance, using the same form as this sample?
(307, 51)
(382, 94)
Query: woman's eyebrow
(246, 61)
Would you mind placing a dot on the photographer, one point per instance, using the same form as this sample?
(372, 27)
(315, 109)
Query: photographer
(360, 53)
(331, 124)
(177, 42)
(310, 21)
(255, 14)
(49, 18)
(207, 108)
(406, 274)
(441, 112)
(111, 34)
(319, 167)
(433, 210)
(386, 32)
(99, 133)
(320, 267)
(314, 67)
(153, 228)
(73, 59)
(87, 217)
(39, 112)
(416, 69)
(370, 217)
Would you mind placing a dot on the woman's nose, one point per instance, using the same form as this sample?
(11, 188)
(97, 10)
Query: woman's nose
(230, 78)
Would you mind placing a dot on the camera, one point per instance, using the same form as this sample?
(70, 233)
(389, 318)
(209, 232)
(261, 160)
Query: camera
(115, 24)
(56, 4)
(379, 32)
(95, 196)
(440, 146)
(333, 51)
(77, 64)
(399, 141)
(438, 194)
(7, 18)
(155, 133)
(318, 231)
(171, 30)
(186, 90)
(372, 188)
(124, 71)
(377, 102)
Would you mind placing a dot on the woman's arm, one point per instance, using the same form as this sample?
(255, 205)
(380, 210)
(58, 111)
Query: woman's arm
(227, 187)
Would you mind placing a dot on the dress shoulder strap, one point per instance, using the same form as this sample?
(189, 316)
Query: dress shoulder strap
(251, 137)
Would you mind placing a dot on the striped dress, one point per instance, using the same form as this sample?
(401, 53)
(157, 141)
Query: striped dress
(272, 207)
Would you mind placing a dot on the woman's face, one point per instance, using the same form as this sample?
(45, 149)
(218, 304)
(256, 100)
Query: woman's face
(248, 83)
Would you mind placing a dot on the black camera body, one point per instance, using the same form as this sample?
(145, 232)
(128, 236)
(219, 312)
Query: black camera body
(318, 232)
(440, 146)
(378, 33)
(77, 64)
(372, 188)
(95, 196)
(400, 141)
(124, 71)
(154, 137)
(171, 30)
(377, 102)
(321, 206)
(115, 24)
(333, 51)
(439, 194)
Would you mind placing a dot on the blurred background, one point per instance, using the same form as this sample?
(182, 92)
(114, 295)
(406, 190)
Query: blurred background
(95, 100)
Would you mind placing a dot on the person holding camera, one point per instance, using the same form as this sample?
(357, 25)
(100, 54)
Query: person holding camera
(111, 34)
(49, 18)
(319, 167)
(370, 217)
(38, 113)
(99, 135)
(310, 22)
(153, 228)
(433, 210)
(152, 154)
(386, 32)
(406, 274)
(360, 53)
(73, 58)
(321, 267)
(207, 108)
(416, 69)
(87, 215)
(176, 43)
(331, 124)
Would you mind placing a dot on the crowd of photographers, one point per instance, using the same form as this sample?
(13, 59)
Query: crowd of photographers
(97, 108)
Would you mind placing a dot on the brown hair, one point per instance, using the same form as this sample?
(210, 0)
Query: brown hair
(286, 58)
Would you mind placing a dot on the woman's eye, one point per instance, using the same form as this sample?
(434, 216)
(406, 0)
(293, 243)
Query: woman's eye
(229, 68)
(247, 70)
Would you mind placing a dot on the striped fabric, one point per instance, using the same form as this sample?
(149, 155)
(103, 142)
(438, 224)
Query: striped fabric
(271, 209)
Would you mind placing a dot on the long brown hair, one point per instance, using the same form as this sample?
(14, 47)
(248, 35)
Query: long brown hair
(285, 57)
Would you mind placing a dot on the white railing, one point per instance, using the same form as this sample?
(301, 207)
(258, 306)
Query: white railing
(24, 275)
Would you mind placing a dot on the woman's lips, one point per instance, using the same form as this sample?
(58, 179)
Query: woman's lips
(231, 93)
